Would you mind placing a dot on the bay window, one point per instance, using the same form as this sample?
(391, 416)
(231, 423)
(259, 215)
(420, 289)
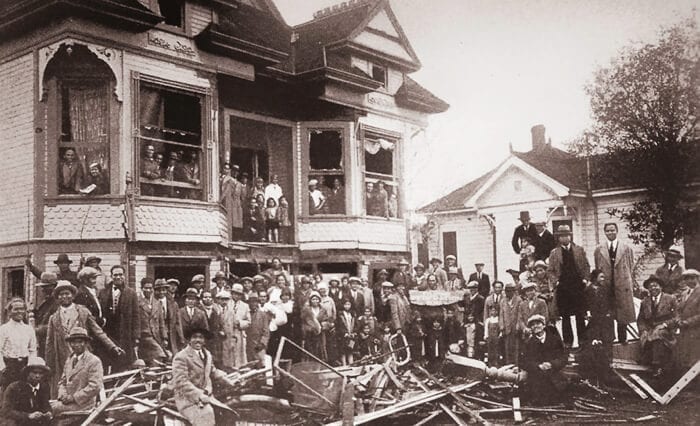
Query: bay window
(380, 173)
(326, 172)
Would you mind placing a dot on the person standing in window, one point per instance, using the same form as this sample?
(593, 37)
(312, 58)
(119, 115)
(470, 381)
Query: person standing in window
(381, 201)
(71, 173)
(189, 173)
(272, 223)
(97, 178)
(232, 198)
(316, 199)
(283, 218)
(394, 202)
(336, 198)
(274, 190)
(150, 169)
(369, 198)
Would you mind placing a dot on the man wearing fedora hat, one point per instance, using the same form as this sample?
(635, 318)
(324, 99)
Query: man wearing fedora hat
(193, 376)
(219, 281)
(68, 316)
(522, 232)
(63, 263)
(153, 335)
(88, 294)
(81, 379)
(657, 321)
(235, 319)
(670, 272)
(437, 270)
(17, 342)
(26, 401)
(43, 312)
(171, 314)
(569, 270)
(191, 316)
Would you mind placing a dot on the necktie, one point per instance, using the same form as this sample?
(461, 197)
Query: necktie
(75, 361)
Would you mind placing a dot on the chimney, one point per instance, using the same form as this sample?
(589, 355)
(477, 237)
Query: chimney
(538, 140)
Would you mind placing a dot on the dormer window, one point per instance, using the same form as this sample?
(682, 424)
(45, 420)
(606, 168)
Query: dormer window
(378, 73)
(172, 11)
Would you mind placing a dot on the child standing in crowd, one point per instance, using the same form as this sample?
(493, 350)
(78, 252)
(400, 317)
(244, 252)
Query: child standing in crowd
(368, 344)
(272, 222)
(452, 327)
(435, 347)
(283, 218)
(368, 320)
(491, 336)
(345, 325)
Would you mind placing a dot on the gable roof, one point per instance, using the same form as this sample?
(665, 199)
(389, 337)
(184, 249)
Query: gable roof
(455, 199)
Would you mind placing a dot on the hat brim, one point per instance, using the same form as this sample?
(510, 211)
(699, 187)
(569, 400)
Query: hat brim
(673, 253)
(648, 282)
(56, 262)
(206, 333)
(57, 290)
(29, 368)
(40, 284)
(81, 337)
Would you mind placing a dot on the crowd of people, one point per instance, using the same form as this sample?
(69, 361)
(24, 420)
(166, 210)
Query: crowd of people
(158, 174)
(91, 318)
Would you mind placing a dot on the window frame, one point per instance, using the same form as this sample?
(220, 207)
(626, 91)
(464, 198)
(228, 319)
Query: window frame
(205, 136)
(393, 180)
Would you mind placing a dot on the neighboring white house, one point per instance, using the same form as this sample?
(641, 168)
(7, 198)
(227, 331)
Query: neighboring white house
(476, 221)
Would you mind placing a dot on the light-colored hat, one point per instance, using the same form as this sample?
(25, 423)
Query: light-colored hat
(387, 284)
(473, 284)
(313, 182)
(87, 272)
(258, 278)
(198, 278)
(160, 283)
(173, 281)
(64, 285)
(218, 275)
(563, 230)
(47, 279)
(322, 285)
(224, 294)
(314, 294)
(674, 250)
(690, 273)
(78, 333)
(450, 256)
(354, 280)
(528, 285)
(192, 292)
(237, 288)
(36, 363)
(540, 264)
(248, 279)
(536, 317)
(510, 285)
(403, 262)
(419, 266)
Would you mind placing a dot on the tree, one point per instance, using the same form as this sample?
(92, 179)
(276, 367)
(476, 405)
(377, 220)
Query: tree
(645, 111)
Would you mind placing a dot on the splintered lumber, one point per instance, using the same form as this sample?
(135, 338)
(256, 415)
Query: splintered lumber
(304, 385)
(380, 382)
(156, 406)
(517, 415)
(428, 419)
(682, 383)
(461, 403)
(632, 386)
(442, 406)
(407, 403)
(105, 403)
(647, 388)
(348, 404)
(392, 376)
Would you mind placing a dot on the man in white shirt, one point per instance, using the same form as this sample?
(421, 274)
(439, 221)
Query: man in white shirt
(273, 190)
(17, 343)
(318, 200)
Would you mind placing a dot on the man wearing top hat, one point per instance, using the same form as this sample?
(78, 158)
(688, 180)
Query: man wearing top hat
(68, 316)
(26, 401)
(523, 231)
(569, 270)
(64, 272)
(670, 272)
(193, 374)
(43, 312)
(81, 377)
(482, 279)
(17, 342)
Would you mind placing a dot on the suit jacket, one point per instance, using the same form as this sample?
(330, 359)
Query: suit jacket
(258, 334)
(474, 307)
(490, 301)
(509, 314)
(484, 283)
(544, 244)
(620, 276)
(82, 382)
(83, 297)
(555, 263)
(152, 323)
(400, 311)
(176, 339)
(310, 324)
(689, 314)
(440, 274)
(654, 324)
(520, 232)
(368, 298)
(539, 306)
(123, 321)
(192, 377)
(197, 320)
(669, 278)
(19, 401)
(358, 302)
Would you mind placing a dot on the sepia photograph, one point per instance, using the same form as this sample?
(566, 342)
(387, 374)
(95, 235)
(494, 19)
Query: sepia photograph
(360, 212)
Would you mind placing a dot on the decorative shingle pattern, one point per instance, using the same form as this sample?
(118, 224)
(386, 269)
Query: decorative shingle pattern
(370, 231)
(178, 224)
(83, 221)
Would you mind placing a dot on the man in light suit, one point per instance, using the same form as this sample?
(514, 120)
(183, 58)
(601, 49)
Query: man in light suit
(81, 380)
(616, 260)
(193, 372)
(570, 270)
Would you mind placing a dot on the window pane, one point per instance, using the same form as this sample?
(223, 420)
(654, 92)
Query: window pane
(381, 162)
(326, 150)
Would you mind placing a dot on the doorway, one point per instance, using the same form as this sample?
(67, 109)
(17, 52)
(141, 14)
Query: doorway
(181, 271)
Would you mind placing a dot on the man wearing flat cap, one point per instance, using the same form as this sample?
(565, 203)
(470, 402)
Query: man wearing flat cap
(569, 270)
(63, 263)
(87, 294)
(544, 356)
(191, 316)
(197, 283)
(26, 401)
(219, 281)
(689, 320)
(482, 279)
(657, 322)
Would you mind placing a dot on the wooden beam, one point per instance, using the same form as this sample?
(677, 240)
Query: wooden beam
(304, 385)
(517, 415)
(458, 420)
(647, 388)
(105, 403)
(632, 386)
(428, 419)
(681, 383)
(157, 407)
(461, 403)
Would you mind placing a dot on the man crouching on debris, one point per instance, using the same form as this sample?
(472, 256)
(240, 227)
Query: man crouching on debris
(543, 358)
(193, 372)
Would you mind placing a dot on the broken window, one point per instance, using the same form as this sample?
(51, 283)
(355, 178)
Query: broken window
(326, 172)
(378, 73)
(381, 182)
(172, 11)
(170, 124)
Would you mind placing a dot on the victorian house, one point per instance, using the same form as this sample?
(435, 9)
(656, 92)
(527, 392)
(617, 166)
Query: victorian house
(118, 117)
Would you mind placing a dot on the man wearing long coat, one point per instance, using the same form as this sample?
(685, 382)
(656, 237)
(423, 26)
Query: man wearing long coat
(153, 334)
(121, 311)
(616, 260)
(689, 321)
(171, 316)
(400, 311)
(569, 269)
(232, 197)
(235, 320)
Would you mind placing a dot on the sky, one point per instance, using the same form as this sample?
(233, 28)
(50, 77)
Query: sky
(505, 66)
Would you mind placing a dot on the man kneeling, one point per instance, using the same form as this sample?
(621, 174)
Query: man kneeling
(543, 358)
(193, 372)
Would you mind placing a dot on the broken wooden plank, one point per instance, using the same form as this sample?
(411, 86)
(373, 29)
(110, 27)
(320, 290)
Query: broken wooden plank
(381, 382)
(304, 385)
(517, 415)
(406, 404)
(105, 403)
(428, 419)
(632, 386)
(392, 376)
(461, 403)
(647, 388)
(153, 405)
(626, 365)
(442, 406)
(681, 383)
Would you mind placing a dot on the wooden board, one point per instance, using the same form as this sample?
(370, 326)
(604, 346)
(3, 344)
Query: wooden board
(435, 297)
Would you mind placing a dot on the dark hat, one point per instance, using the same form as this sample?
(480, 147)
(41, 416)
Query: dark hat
(78, 333)
(36, 363)
(563, 230)
(160, 283)
(47, 279)
(653, 279)
(435, 259)
(404, 262)
(64, 285)
(62, 258)
(334, 280)
(190, 331)
(419, 266)
(219, 275)
(146, 280)
(524, 215)
(93, 259)
(512, 271)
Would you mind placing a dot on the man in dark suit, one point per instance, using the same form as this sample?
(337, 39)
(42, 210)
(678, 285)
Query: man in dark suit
(482, 279)
(544, 242)
(357, 296)
(120, 305)
(657, 322)
(526, 230)
(87, 294)
(63, 263)
(171, 316)
(26, 401)
(191, 316)
(670, 272)
(543, 358)
(43, 312)
(569, 270)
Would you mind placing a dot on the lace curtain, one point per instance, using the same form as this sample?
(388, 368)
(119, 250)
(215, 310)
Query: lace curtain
(373, 146)
(89, 123)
